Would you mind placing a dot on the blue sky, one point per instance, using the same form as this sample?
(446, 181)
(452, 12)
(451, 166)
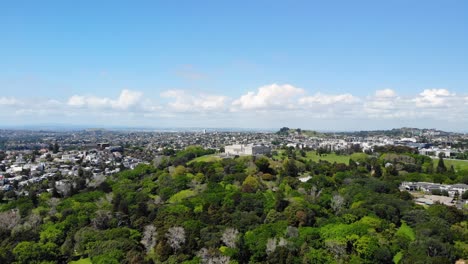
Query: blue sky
(327, 65)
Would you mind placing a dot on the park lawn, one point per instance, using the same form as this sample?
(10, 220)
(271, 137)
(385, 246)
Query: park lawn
(457, 164)
(206, 158)
(332, 157)
(82, 261)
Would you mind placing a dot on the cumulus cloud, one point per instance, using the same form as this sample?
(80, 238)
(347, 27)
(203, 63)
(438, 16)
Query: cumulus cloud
(126, 100)
(8, 101)
(433, 98)
(269, 96)
(185, 102)
(385, 93)
(324, 99)
(274, 103)
(382, 102)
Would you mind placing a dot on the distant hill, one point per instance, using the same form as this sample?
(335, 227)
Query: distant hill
(289, 131)
(395, 132)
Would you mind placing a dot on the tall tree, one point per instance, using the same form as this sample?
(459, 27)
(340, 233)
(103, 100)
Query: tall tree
(441, 165)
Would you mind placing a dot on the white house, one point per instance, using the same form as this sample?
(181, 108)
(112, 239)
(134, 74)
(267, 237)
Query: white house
(246, 149)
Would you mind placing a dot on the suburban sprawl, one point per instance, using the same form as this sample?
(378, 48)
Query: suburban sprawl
(219, 196)
(85, 157)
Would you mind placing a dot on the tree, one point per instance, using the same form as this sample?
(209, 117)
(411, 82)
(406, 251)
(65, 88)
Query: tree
(9, 219)
(250, 184)
(337, 202)
(465, 195)
(378, 171)
(230, 237)
(175, 237)
(33, 197)
(283, 131)
(102, 219)
(290, 167)
(441, 165)
(263, 165)
(212, 256)
(337, 248)
(292, 232)
(32, 252)
(149, 237)
(271, 245)
(56, 148)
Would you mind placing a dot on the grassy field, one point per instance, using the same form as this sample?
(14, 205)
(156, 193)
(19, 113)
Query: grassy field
(82, 261)
(206, 158)
(311, 155)
(457, 164)
(336, 158)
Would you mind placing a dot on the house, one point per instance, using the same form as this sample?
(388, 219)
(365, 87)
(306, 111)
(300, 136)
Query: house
(250, 149)
(460, 188)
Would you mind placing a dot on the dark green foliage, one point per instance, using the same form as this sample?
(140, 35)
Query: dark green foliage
(343, 214)
(441, 168)
(465, 195)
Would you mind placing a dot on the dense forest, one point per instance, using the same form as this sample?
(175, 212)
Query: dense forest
(283, 208)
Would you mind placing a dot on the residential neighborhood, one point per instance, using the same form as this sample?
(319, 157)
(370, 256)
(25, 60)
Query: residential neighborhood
(63, 157)
(429, 193)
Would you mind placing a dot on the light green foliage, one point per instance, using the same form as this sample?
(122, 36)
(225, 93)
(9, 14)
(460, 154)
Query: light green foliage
(178, 197)
(52, 233)
(32, 252)
(371, 221)
(206, 158)
(250, 184)
(406, 231)
(365, 246)
(359, 157)
(397, 258)
(460, 230)
(318, 256)
(270, 200)
(112, 256)
(82, 261)
(462, 249)
(179, 170)
(198, 208)
(177, 209)
(343, 230)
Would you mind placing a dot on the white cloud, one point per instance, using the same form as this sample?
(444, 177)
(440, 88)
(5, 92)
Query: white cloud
(185, 102)
(273, 104)
(385, 93)
(126, 100)
(382, 102)
(269, 96)
(324, 99)
(433, 98)
(8, 101)
(76, 100)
